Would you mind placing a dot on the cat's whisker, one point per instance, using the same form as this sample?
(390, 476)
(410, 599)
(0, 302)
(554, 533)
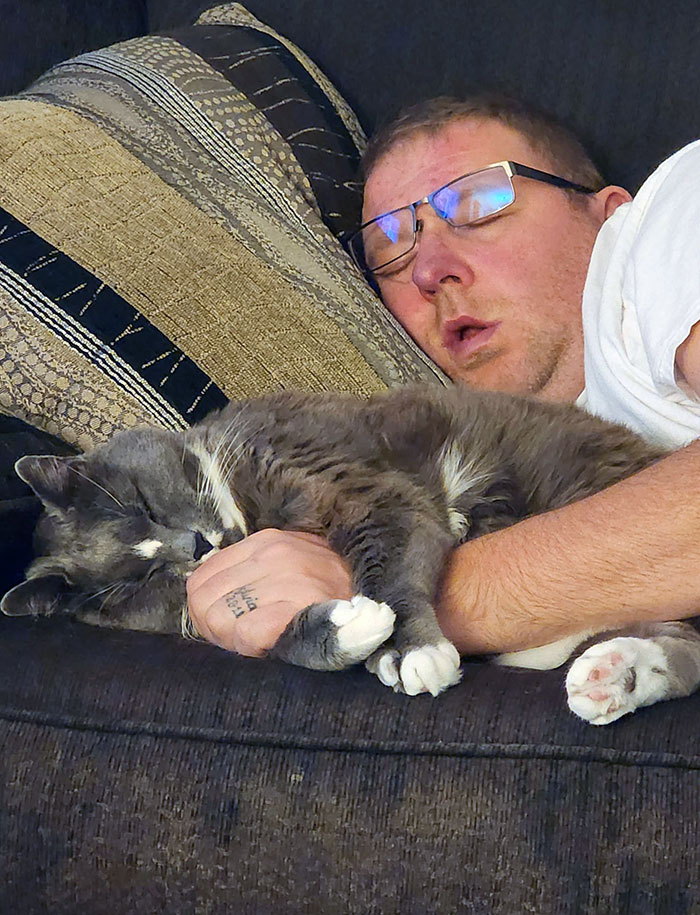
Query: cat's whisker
(232, 445)
(110, 594)
(216, 467)
(102, 591)
(109, 591)
(200, 473)
(231, 455)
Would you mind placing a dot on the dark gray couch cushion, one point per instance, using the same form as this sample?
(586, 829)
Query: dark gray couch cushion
(156, 776)
(35, 37)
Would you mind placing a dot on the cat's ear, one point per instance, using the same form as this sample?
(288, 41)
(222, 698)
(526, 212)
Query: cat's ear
(52, 478)
(40, 596)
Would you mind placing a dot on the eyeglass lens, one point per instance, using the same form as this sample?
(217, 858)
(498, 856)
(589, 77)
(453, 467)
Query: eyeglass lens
(463, 202)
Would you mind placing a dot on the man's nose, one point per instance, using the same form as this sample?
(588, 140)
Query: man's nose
(442, 257)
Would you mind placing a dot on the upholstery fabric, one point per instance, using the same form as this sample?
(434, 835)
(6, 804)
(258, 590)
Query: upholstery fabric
(170, 246)
(145, 774)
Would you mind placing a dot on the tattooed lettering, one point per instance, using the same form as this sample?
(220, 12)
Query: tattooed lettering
(240, 601)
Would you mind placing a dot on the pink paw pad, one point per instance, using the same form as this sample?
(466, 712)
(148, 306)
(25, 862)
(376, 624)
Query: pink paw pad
(604, 670)
(613, 678)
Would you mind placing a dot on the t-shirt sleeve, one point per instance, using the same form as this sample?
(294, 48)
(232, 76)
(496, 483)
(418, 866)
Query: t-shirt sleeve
(663, 271)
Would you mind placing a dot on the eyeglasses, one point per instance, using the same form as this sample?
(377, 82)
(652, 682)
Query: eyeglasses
(465, 201)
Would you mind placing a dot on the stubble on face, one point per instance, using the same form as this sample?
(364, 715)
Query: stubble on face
(545, 354)
(530, 278)
(524, 358)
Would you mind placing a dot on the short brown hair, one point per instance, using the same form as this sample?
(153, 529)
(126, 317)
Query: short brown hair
(546, 135)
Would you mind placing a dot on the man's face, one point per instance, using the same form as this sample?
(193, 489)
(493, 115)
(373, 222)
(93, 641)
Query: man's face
(497, 305)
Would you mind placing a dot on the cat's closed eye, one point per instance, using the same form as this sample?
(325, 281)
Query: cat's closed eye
(144, 505)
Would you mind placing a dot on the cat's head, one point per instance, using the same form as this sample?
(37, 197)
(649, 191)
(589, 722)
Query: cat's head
(122, 528)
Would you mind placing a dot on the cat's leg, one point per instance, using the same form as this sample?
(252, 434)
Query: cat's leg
(416, 669)
(636, 667)
(335, 634)
(417, 658)
(396, 552)
(544, 657)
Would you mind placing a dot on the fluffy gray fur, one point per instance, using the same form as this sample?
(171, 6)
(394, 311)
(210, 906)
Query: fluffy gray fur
(393, 483)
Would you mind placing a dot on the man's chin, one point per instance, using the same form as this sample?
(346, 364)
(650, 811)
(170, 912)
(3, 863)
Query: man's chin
(484, 371)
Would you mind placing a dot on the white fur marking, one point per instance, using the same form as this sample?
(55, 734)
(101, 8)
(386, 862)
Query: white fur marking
(188, 629)
(147, 549)
(458, 476)
(430, 669)
(217, 489)
(387, 669)
(205, 557)
(363, 624)
(616, 677)
(544, 657)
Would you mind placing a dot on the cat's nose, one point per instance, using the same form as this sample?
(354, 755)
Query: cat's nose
(201, 546)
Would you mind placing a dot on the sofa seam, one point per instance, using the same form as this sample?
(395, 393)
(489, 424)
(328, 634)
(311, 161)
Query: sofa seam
(467, 750)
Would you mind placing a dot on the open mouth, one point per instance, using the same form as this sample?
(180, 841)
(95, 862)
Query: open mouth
(465, 335)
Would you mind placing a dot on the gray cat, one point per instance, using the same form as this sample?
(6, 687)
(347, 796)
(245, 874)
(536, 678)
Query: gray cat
(393, 483)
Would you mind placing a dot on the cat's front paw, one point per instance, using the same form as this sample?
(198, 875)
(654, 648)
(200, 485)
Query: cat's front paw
(427, 669)
(362, 625)
(616, 677)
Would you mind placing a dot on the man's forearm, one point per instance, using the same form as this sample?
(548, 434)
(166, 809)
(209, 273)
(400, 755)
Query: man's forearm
(629, 553)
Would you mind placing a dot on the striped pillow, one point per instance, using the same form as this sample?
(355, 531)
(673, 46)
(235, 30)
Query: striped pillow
(169, 217)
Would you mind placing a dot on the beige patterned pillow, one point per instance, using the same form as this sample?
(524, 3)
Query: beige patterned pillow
(169, 216)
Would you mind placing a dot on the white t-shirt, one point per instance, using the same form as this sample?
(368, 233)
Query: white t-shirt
(642, 297)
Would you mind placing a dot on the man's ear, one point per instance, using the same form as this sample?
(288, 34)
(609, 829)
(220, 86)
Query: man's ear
(52, 478)
(610, 198)
(39, 596)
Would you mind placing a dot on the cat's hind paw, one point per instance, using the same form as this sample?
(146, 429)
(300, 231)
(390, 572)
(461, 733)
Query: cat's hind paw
(427, 669)
(362, 625)
(616, 677)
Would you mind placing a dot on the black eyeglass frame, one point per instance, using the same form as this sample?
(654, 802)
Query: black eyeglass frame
(510, 168)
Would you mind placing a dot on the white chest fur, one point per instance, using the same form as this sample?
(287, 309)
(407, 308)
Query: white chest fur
(459, 475)
(215, 486)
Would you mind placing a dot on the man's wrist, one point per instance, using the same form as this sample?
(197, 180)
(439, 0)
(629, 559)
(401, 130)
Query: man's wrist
(482, 605)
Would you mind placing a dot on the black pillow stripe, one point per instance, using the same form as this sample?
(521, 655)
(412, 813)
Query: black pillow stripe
(78, 296)
(275, 82)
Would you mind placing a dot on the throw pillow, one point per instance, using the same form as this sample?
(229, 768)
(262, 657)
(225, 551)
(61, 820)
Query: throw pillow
(169, 217)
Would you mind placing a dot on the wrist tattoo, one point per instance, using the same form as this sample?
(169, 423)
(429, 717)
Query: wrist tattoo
(240, 601)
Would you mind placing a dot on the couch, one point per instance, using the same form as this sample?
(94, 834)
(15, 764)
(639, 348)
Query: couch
(146, 774)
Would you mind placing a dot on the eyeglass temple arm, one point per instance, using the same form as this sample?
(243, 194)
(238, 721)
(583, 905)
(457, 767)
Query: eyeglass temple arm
(535, 173)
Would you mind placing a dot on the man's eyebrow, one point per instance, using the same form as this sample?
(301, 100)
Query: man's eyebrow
(388, 209)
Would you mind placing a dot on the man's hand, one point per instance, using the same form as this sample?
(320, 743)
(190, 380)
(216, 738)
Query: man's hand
(243, 598)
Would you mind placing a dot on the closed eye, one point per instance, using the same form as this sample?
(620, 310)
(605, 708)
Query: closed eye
(122, 511)
(145, 506)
